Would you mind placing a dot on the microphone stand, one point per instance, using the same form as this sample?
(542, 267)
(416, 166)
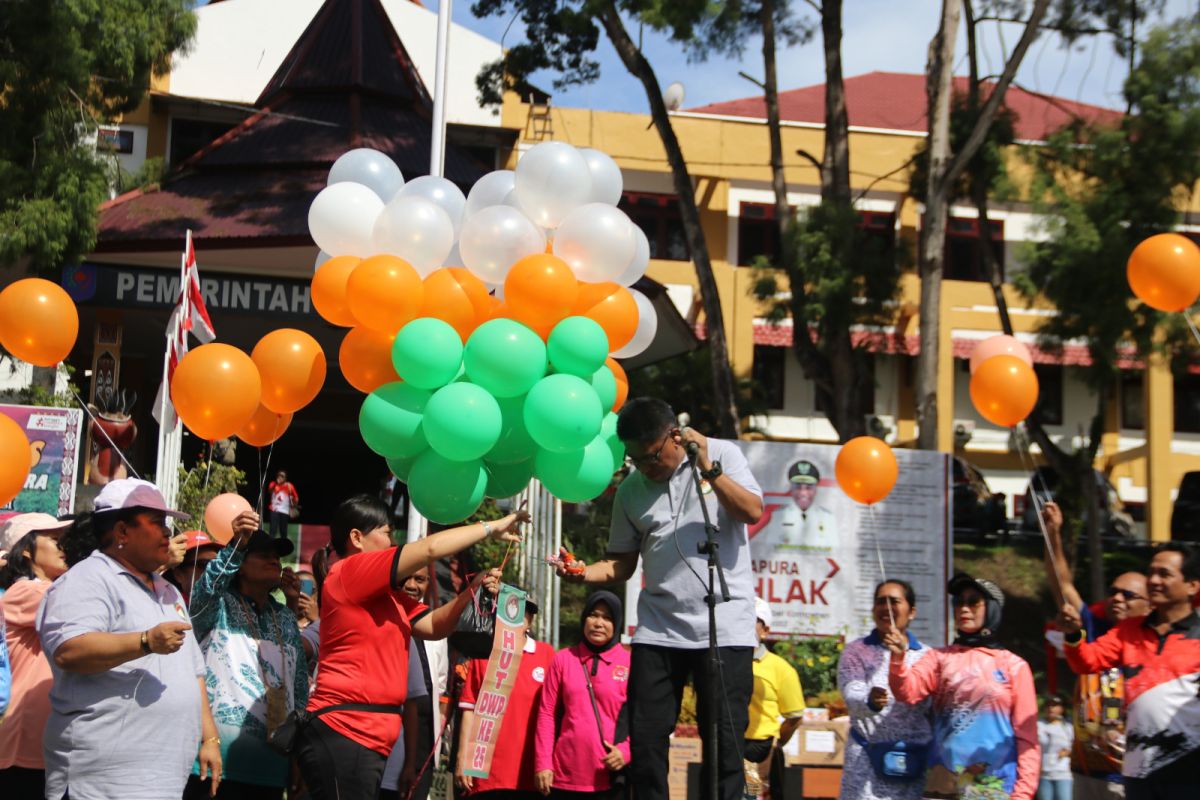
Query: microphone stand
(710, 548)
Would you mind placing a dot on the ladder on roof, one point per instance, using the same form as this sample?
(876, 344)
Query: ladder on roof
(540, 125)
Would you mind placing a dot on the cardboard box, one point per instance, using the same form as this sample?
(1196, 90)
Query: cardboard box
(684, 751)
(821, 744)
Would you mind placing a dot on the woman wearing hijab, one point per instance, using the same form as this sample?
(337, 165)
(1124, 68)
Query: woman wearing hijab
(877, 722)
(582, 738)
(984, 706)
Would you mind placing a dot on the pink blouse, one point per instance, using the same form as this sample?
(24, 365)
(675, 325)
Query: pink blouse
(25, 720)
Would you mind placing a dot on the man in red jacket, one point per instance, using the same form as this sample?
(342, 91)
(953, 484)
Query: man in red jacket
(1159, 655)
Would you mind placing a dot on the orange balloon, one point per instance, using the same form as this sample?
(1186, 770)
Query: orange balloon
(216, 390)
(38, 321)
(365, 358)
(539, 326)
(1004, 390)
(1164, 272)
(15, 459)
(866, 469)
(264, 427)
(622, 381)
(454, 295)
(384, 293)
(541, 290)
(329, 290)
(292, 367)
(612, 307)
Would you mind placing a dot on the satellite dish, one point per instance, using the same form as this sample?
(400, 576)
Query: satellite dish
(673, 96)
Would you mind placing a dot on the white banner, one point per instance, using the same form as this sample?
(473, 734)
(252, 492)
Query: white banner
(815, 553)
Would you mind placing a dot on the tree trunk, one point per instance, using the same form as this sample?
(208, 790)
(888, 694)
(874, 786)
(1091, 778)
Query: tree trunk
(933, 226)
(783, 214)
(835, 175)
(724, 399)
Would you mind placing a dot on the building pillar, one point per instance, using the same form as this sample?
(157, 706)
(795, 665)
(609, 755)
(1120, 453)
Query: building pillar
(1160, 430)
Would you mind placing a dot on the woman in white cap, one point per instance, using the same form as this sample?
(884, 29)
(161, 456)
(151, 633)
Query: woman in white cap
(985, 738)
(34, 561)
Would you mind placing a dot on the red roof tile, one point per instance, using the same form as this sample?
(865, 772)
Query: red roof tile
(896, 101)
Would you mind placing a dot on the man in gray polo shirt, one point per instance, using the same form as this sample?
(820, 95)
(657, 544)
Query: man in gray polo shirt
(657, 515)
(129, 710)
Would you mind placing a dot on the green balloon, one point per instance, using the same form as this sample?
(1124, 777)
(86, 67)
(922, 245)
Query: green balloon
(608, 432)
(427, 353)
(577, 346)
(400, 467)
(446, 491)
(390, 420)
(578, 475)
(462, 421)
(505, 357)
(506, 480)
(562, 413)
(605, 384)
(514, 444)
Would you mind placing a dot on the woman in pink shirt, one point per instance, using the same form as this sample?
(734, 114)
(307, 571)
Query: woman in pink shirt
(582, 732)
(34, 561)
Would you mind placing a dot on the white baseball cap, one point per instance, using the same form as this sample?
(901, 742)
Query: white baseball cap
(17, 528)
(762, 611)
(127, 493)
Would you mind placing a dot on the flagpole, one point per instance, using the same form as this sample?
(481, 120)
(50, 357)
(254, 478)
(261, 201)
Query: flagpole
(166, 470)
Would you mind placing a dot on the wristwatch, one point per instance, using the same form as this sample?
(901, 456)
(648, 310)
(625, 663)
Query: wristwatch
(713, 473)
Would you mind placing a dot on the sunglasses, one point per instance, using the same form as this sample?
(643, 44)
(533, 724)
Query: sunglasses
(958, 601)
(1113, 591)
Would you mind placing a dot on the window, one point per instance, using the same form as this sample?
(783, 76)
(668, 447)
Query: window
(758, 231)
(1133, 401)
(114, 140)
(1050, 393)
(1187, 403)
(659, 218)
(963, 258)
(770, 366)
(189, 135)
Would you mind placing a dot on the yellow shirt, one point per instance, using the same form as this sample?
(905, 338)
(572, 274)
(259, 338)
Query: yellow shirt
(777, 694)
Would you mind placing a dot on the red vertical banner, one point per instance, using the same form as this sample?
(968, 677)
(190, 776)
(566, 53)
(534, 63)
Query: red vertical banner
(508, 644)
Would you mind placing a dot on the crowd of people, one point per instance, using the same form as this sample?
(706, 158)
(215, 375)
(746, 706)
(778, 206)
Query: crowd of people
(141, 664)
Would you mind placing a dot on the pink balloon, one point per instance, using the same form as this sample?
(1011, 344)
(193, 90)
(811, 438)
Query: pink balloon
(219, 514)
(1001, 345)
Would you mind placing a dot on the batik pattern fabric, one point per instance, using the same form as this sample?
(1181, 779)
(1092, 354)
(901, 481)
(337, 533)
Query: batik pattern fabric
(863, 667)
(248, 653)
(984, 721)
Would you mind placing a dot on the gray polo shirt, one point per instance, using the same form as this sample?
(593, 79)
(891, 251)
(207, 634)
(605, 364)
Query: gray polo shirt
(133, 731)
(664, 522)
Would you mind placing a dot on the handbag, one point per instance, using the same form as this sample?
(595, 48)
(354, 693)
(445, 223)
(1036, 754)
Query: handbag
(283, 739)
(616, 779)
(898, 760)
(476, 627)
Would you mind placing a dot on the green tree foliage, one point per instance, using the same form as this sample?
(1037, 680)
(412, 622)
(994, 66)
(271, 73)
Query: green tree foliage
(66, 66)
(200, 484)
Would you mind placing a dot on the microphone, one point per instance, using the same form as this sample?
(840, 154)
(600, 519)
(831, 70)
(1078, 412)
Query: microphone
(692, 449)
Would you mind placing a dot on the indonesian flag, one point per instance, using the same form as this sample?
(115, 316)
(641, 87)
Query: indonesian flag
(189, 315)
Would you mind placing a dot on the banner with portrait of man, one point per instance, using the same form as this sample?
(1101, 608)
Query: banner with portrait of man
(817, 554)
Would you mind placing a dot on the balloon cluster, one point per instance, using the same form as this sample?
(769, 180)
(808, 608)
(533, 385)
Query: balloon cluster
(1004, 387)
(484, 328)
(218, 391)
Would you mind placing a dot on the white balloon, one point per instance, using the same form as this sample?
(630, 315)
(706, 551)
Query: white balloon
(441, 193)
(369, 167)
(322, 257)
(607, 183)
(497, 290)
(640, 261)
(342, 217)
(454, 259)
(597, 241)
(490, 190)
(552, 180)
(496, 238)
(416, 230)
(647, 327)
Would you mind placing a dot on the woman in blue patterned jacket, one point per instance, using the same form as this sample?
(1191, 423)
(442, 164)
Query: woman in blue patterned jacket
(257, 671)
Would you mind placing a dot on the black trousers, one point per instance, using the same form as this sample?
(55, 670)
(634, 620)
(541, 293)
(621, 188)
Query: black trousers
(279, 524)
(18, 782)
(337, 768)
(1176, 781)
(656, 681)
(197, 789)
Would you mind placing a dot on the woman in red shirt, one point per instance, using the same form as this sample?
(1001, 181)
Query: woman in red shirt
(366, 623)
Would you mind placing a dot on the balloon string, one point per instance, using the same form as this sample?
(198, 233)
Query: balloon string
(1188, 317)
(208, 472)
(96, 424)
(879, 557)
(262, 475)
(1024, 449)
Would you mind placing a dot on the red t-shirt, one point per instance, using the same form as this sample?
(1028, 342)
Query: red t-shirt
(512, 761)
(366, 624)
